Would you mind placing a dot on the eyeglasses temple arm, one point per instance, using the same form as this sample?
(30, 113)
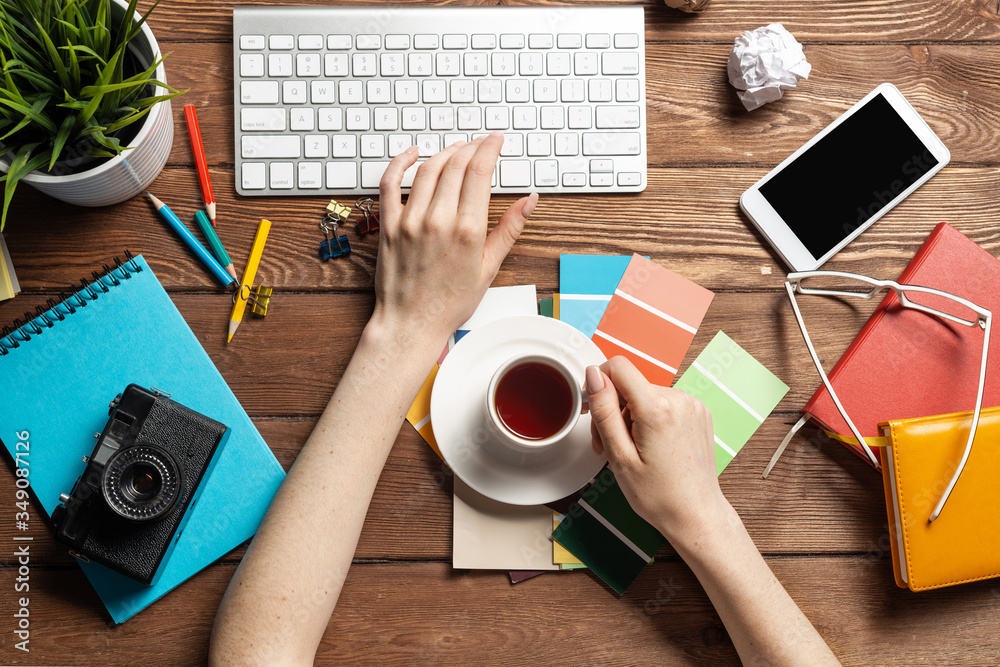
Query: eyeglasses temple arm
(826, 381)
(975, 425)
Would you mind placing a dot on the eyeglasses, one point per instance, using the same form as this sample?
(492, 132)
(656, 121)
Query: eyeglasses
(944, 305)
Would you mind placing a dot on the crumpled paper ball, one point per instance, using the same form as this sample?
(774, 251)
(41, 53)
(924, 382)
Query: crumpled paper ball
(765, 63)
(688, 5)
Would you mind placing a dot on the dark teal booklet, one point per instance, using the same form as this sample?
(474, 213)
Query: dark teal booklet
(59, 372)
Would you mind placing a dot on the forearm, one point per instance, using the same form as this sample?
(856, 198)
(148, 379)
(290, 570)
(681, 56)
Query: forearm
(765, 624)
(279, 602)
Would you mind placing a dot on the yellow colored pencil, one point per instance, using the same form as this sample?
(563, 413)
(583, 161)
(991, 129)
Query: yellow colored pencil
(249, 274)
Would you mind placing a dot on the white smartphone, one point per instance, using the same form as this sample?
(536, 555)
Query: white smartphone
(844, 179)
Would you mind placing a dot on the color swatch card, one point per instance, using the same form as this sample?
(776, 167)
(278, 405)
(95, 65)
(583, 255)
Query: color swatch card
(603, 531)
(586, 285)
(498, 303)
(652, 319)
(9, 286)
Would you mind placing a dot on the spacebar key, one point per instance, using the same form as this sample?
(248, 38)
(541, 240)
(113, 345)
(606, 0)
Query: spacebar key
(371, 174)
(611, 143)
(271, 145)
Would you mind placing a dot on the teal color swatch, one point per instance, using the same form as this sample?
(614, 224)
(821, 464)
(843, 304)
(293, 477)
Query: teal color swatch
(586, 283)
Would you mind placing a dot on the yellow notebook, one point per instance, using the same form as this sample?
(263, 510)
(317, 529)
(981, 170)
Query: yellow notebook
(963, 543)
(8, 281)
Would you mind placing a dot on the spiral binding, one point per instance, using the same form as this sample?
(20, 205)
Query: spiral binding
(56, 310)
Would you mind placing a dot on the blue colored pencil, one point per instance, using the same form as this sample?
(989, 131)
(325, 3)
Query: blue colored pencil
(192, 242)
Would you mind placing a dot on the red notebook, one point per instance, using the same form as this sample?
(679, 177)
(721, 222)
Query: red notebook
(905, 363)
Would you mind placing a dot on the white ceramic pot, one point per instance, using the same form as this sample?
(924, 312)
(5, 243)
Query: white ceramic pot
(130, 173)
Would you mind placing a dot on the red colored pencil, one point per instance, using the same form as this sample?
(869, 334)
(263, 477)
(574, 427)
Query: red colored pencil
(199, 160)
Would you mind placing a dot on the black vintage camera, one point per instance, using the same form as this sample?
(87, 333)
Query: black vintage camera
(127, 506)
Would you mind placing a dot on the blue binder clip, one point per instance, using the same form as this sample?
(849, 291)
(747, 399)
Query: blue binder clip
(335, 245)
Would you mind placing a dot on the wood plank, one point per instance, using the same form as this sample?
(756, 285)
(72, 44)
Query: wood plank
(866, 20)
(407, 613)
(819, 499)
(693, 114)
(688, 219)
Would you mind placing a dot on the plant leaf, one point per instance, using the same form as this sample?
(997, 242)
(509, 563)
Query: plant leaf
(57, 144)
(22, 164)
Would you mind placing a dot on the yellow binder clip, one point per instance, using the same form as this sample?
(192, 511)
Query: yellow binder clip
(260, 300)
(337, 212)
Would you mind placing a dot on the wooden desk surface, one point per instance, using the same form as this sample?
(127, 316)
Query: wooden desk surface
(820, 518)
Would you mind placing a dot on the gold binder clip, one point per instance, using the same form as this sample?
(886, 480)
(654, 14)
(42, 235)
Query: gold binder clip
(260, 299)
(337, 212)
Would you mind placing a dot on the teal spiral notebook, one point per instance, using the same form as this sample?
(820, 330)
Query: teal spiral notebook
(60, 371)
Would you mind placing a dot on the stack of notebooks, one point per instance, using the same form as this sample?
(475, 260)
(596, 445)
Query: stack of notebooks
(9, 287)
(632, 307)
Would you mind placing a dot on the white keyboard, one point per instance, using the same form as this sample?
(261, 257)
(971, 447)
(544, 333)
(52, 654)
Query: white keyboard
(326, 96)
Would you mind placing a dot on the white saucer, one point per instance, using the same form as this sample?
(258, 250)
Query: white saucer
(458, 413)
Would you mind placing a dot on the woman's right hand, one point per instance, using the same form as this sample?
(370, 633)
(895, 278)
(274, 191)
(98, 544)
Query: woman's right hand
(660, 445)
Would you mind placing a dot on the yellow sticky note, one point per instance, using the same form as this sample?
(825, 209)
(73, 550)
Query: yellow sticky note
(419, 414)
(560, 554)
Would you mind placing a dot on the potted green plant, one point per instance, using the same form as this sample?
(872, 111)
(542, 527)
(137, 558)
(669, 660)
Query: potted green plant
(84, 104)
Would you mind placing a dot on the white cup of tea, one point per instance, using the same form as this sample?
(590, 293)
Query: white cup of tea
(533, 401)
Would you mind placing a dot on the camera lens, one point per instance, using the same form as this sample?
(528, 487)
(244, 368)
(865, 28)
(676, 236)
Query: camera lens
(141, 483)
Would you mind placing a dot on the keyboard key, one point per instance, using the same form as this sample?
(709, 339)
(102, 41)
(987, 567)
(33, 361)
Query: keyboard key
(435, 92)
(341, 175)
(584, 63)
(359, 119)
(617, 117)
(420, 64)
(372, 145)
(259, 92)
(258, 120)
(414, 118)
(379, 92)
(253, 175)
(476, 64)
(425, 41)
(574, 179)
(552, 118)
(303, 119)
(367, 42)
(310, 175)
(279, 64)
(484, 41)
(497, 118)
(598, 40)
(470, 118)
(513, 145)
(602, 166)
(448, 64)
(611, 143)
(503, 64)
(336, 64)
(397, 42)
(345, 145)
(579, 117)
(525, 118)
(629, 179)
(393, 64)
(331, 119)
(407, 92)
(270, 146)
(452, 137)
(351, 92)
(307, 64)
(293, 92)
(545, 91)
(322, 92)
(490, 91)
(386, 119)
(518, 90)
(602, 180)
(620, 63)
(282, 175)
(364, 64)
(627, 90)
(251, 64)
(251, 42)
(515, 173)
(511, 41)
(428, 144)
(573, 90)
(540, 41)
(455, 41)
(599, 90)
(539, 145)
(557, 64)
(626, 40)
(317, 145)
(282, 42)
(339, 42)
(310, 42)
(567, 143)
(371, 174)
(462, 90)
(530, 64)
(569, 41)
(397, 144)
(442, 118)
(546, 173)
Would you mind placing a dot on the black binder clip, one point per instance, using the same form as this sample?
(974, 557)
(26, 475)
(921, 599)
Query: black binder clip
(370, 222)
